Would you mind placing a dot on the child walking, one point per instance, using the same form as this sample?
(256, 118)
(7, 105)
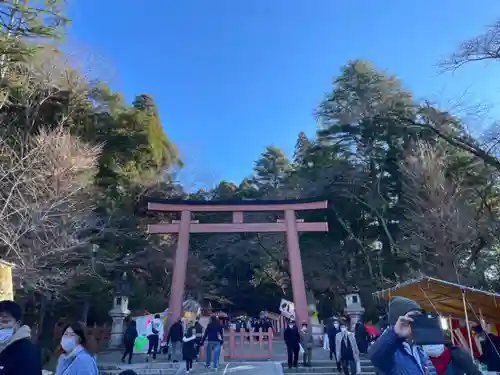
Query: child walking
(189, 348)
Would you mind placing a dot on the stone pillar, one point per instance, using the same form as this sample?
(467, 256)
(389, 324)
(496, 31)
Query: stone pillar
(354, 310)
(179, 272)
(296, 271)
(118, 313)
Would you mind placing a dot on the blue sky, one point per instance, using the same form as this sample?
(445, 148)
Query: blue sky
(233, 76)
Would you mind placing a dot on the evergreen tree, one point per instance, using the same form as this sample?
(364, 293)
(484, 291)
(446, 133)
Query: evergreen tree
(271, 169)
(301, 148)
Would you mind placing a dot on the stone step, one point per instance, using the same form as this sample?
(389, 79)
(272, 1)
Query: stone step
(328, 364)
(151, 368)
(322, 370)
(140, 366)
(143, 372)
(325, 369)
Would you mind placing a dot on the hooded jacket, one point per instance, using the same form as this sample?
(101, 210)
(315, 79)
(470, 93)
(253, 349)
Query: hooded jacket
(19, 356)
(391, 355)
(155, 325)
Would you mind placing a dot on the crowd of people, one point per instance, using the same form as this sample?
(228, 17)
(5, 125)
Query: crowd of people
(180, 343)
(250, 324)
(19, 356)
(343, 347)
(394, 351)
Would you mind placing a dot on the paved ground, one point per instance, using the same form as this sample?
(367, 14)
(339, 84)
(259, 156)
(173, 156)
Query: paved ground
(159, 368)
(110, 363)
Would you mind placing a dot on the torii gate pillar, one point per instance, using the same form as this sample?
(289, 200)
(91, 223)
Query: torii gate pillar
(291, 226)
(296, 270)
(180, 268)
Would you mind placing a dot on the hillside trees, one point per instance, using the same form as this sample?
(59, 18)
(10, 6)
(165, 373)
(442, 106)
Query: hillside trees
(395, 210)
(75, 163)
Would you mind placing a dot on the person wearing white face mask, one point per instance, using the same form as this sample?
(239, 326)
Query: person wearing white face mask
(18, 355)
(347, 351)
(333, 329)
(292, 341)
(307, 341)
(451, 360)
(77, 358)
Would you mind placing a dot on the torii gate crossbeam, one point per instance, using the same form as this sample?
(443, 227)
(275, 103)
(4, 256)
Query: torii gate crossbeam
(183, 227)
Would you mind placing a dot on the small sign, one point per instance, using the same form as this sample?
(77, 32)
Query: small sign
(6, 285)
(287, 309)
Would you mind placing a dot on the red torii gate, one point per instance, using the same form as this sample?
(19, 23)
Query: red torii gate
(186, 225)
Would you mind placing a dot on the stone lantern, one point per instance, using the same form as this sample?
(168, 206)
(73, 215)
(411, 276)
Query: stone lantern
(119, 311)
(353, 307)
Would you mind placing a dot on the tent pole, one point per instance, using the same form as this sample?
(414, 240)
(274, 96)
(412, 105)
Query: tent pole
(450, 327)
(467, 325)
(483, 323)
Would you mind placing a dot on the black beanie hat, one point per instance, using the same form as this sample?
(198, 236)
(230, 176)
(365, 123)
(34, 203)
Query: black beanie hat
(12, 308)
(399, 306)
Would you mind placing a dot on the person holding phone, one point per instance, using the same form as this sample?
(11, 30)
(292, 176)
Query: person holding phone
(394, 352)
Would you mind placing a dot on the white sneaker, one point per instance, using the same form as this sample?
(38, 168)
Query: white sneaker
(188, 371)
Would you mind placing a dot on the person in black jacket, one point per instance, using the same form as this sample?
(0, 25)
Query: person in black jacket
(129, 340)
(292, 341)
(361, 336)
(214, 334)
(198, 328)
(175, 334)
(490, 345)
(18, 355)
(189, 351)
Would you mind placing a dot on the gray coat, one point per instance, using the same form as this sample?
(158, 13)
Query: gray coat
(352, 340)
(306, 338)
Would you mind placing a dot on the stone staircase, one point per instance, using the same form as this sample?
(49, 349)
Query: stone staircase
(154, 368)
(163, 368)
(327, 367)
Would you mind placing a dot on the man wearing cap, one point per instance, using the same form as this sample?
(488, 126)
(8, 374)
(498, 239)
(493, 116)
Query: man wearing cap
(18, 355)
(393, 353)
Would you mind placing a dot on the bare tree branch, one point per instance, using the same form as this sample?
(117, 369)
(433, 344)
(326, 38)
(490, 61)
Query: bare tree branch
(46, 208)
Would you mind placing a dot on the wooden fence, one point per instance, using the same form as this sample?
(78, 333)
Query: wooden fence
(246, 345)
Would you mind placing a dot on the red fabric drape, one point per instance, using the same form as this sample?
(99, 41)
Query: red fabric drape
(457, 324)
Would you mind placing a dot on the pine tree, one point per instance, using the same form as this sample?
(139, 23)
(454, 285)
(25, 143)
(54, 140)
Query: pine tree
(301, 147)
(271, 169)
(26, 24)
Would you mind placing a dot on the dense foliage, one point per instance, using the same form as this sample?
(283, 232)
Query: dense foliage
(410, 190)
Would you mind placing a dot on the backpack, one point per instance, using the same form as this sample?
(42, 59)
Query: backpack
(155, 328)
